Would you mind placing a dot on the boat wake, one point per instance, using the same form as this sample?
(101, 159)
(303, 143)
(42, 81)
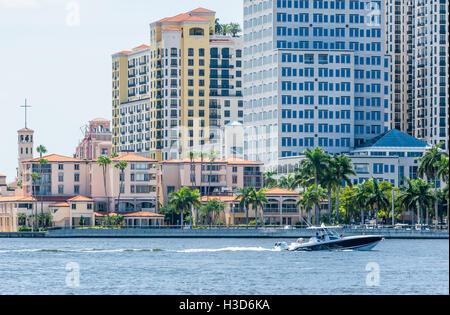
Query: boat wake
(85, 250)
(121, 250)
(228, 249)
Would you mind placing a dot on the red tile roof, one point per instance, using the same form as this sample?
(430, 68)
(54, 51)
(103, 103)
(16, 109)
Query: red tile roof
(202, 10)
(17, 199)
(56, 158)
(281, 191)
(124, 52)
(80, 199)
(131, 157)
(189, 16)
(141, 47)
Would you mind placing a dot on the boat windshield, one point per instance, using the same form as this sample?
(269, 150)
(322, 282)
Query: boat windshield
(326, 233)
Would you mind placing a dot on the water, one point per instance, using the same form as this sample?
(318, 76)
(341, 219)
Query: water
(218, 266)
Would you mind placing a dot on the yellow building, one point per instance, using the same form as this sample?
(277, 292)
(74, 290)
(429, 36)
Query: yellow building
(10, 207)
(194, 89)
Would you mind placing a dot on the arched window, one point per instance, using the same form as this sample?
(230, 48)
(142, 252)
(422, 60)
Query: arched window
(196, 32)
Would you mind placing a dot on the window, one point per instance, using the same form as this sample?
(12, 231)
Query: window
(74, 206)
(196, 31)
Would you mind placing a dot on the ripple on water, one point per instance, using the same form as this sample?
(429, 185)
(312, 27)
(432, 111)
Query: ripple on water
(219, 266)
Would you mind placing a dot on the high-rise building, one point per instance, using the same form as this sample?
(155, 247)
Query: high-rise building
(418, 43)
(315, 74)
(430, 84)
(130, 94)
(399, 45)
(195, 83)
(175, 95)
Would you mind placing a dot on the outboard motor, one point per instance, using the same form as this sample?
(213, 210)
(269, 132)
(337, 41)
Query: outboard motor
(281, 245)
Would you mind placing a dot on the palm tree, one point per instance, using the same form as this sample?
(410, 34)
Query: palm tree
(217, 26)
(202, 158)
(409, 196)
(245, 199)
(259, 200)
(425, 196)
(122, 165)
(235, 29)
(269, 181)
(443, 173)
(288, 182)
(191, 158)
(329, 181)
(304, 177)
(42, 162)
(361, 195)
(114, 155)
(213, 207)
(104, 162)
(443, 168)
(317, 161)
(34, 177)
(212, 158)
(183, 201)
(41, 150)
(341, 169)
(225, 29)
(429, 169)
(312, 197)
(378, 196)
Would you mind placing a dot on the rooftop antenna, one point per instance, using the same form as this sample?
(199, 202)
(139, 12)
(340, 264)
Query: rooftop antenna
(26, 106)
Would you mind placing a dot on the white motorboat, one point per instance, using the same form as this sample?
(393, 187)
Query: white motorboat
(327, 239)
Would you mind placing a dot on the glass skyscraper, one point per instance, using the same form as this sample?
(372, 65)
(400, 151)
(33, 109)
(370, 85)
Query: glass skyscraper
(316, 74)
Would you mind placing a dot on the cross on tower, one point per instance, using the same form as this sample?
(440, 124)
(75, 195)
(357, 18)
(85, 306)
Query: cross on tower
(26, 108)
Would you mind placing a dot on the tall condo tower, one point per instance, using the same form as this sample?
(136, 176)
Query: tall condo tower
(315, 74)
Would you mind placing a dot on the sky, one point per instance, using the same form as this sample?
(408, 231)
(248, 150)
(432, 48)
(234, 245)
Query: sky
(57, 55)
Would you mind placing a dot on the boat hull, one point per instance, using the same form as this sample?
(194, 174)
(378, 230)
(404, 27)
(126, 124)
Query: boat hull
(366, 243)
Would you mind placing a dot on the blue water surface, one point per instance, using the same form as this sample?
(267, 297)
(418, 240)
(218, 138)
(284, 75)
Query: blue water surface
(218, 266)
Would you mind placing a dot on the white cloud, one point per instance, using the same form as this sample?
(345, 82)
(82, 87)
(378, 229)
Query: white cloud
(19, 4)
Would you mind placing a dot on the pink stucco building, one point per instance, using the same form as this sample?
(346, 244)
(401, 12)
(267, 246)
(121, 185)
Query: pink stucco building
(96, 141)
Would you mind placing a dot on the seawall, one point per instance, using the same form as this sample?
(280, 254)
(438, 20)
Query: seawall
(237, 233)
(22, 235)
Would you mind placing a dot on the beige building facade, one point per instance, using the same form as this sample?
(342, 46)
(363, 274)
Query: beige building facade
(221, 177)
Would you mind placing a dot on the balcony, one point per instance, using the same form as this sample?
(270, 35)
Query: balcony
(221, 76)
(221, 66)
